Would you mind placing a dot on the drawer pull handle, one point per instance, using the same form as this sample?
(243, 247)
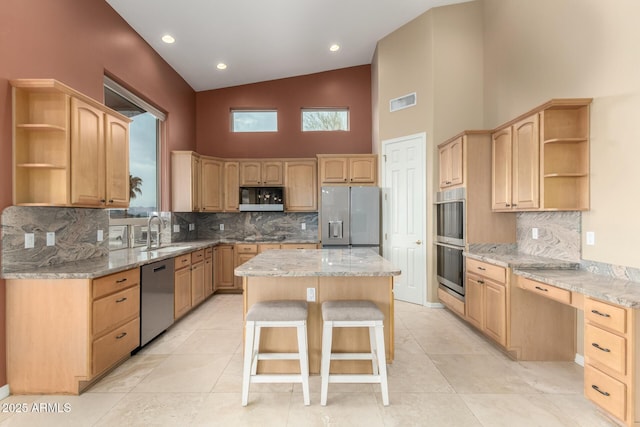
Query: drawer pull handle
(481, 268)
(596, 388)
(480, 282)
(542, 289)
(122, 335)
(185, 260)
(121, 280)
(595, 344)
(600, 314)
(121, 299)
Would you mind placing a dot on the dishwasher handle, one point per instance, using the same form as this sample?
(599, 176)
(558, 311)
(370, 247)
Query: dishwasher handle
(162, 267)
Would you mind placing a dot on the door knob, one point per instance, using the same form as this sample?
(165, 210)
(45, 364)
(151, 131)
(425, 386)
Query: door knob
(418, 242)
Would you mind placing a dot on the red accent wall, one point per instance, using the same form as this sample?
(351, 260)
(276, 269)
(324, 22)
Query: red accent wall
(347, 87)
(77, 42)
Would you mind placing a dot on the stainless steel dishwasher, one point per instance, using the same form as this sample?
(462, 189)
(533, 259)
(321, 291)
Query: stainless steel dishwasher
(156, 299)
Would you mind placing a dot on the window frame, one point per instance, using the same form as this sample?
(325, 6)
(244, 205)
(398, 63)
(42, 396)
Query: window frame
(232, 121)
(325, 109)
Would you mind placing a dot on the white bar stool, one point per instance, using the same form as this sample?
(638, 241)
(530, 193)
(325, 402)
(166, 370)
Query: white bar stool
(349, 314)
(275, 314)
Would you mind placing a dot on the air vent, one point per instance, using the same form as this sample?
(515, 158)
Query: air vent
(402, 102)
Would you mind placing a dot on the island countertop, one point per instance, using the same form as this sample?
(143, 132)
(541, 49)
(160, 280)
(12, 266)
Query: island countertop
(317, 262)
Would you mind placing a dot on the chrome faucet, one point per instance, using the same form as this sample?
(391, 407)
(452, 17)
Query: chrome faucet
(160, 224)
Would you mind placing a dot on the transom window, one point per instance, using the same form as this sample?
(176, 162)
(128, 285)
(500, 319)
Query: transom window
(325, 119)
(254, 121)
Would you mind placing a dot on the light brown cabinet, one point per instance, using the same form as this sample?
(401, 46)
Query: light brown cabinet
(69, 150)
(208, 272)
(450, 161)
(182, 285)
(64, 334)
(197, 277)
(486, 299)
(211, 172)
(301, 185)
(261, 173)
(358, 169)
(243, 253)
(224, 263)
(231, 186)
(540, 161)
(185, 181)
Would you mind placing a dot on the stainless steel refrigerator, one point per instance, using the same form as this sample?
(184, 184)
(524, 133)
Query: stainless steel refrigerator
(350, 217)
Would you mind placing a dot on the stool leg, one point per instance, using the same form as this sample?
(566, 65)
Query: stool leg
(382, 363)
(256, 350)
(248, 361)
(372, 343)
(304, 360)
(327, 336)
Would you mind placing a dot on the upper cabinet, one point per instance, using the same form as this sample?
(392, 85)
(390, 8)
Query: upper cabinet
(261, 173)
(211, 176)
(185, 181)
(450, 160)
(540, 161)
(68, 149)
(231, 186)
(357, 169)
(301, 185)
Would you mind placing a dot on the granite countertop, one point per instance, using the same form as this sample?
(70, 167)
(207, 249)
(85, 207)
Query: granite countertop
(317, 262)
(566, 275)
(118, 260)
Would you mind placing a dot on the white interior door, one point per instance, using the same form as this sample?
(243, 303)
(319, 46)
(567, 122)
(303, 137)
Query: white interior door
(403, 181)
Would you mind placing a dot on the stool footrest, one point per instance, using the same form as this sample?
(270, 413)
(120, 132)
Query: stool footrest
(354, 378)
(352, 356)
(278, 356)
(276, 378)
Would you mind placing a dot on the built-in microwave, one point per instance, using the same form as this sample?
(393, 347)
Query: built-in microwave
(261, 199)
(450, 217)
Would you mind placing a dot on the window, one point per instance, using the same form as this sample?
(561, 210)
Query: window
(325, 119)
(254, 120)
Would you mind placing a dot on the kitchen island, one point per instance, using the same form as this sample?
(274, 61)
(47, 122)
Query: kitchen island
(318, 275)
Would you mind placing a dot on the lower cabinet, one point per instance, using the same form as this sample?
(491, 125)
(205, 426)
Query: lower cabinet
(244, 252)
(208, 272)
(223, 268)
(197, 277)
(486, 299)
(182, 286)
(64, 333)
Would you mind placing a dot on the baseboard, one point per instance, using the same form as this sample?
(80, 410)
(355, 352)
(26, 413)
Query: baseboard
(579, 359)
(434, 305)
(4, 391)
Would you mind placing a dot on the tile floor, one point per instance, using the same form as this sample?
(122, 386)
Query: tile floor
(444, 374)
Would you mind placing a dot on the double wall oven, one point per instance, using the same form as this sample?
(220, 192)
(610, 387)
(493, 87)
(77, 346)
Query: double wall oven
(450, 240)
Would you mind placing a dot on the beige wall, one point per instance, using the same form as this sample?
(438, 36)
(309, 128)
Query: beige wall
(439, 56)
(586, 48)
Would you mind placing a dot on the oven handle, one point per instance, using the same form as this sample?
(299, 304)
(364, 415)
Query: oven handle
(442, 202)
(446, 245)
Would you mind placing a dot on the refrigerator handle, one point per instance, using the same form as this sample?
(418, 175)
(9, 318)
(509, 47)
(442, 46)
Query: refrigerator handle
(335, 229)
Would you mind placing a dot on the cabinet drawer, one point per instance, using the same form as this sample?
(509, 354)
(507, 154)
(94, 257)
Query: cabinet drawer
(208, 252)
(551, 292)
(605, 348)
(182, 261)
(491, 271)
(197, 256)
(453, 303)
(608, 393)
(247, 249)
(268, 247)
(607, 315)
(115, 282)
(112, 347)
(114, 309)
(299, 246)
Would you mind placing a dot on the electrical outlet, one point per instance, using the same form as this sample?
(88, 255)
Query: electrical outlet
(51, 238)
(303, 226)
(311, 294)
(29, 240)
(221, 227)
(100, 236)
(192, 227)
(591, 238)
(176, 228)
(534, 233)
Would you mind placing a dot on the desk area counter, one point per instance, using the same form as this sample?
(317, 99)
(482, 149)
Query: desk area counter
(317, 262)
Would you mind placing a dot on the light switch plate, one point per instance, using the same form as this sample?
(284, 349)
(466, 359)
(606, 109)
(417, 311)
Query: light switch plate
(51, 238)
(303, 226)
(100, 236)
(221, 227)
(534, 233)
(591, 238)
(311, 294)
(29, 240)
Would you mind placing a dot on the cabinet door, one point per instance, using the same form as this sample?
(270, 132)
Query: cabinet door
(526, 165)
(333, 170)
(231, 187)
(208, 276)
(197, 283)
(501, 160)
(301, 186)
(272, 173)
(241, 259)
(444, 164)
(211, 173)
(456, 159)
(223, 268)
(362, 170)
(182, 295)
(474, 300)
(117, 162)
(250, 173)
(196, 183)
(87, 155)
(495, 311)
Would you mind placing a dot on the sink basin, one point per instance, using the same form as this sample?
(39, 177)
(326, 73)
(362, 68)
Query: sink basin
(167, 249)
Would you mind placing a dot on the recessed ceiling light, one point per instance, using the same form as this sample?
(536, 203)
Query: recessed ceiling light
(168, 39)
(221, 66)
(334, 47)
